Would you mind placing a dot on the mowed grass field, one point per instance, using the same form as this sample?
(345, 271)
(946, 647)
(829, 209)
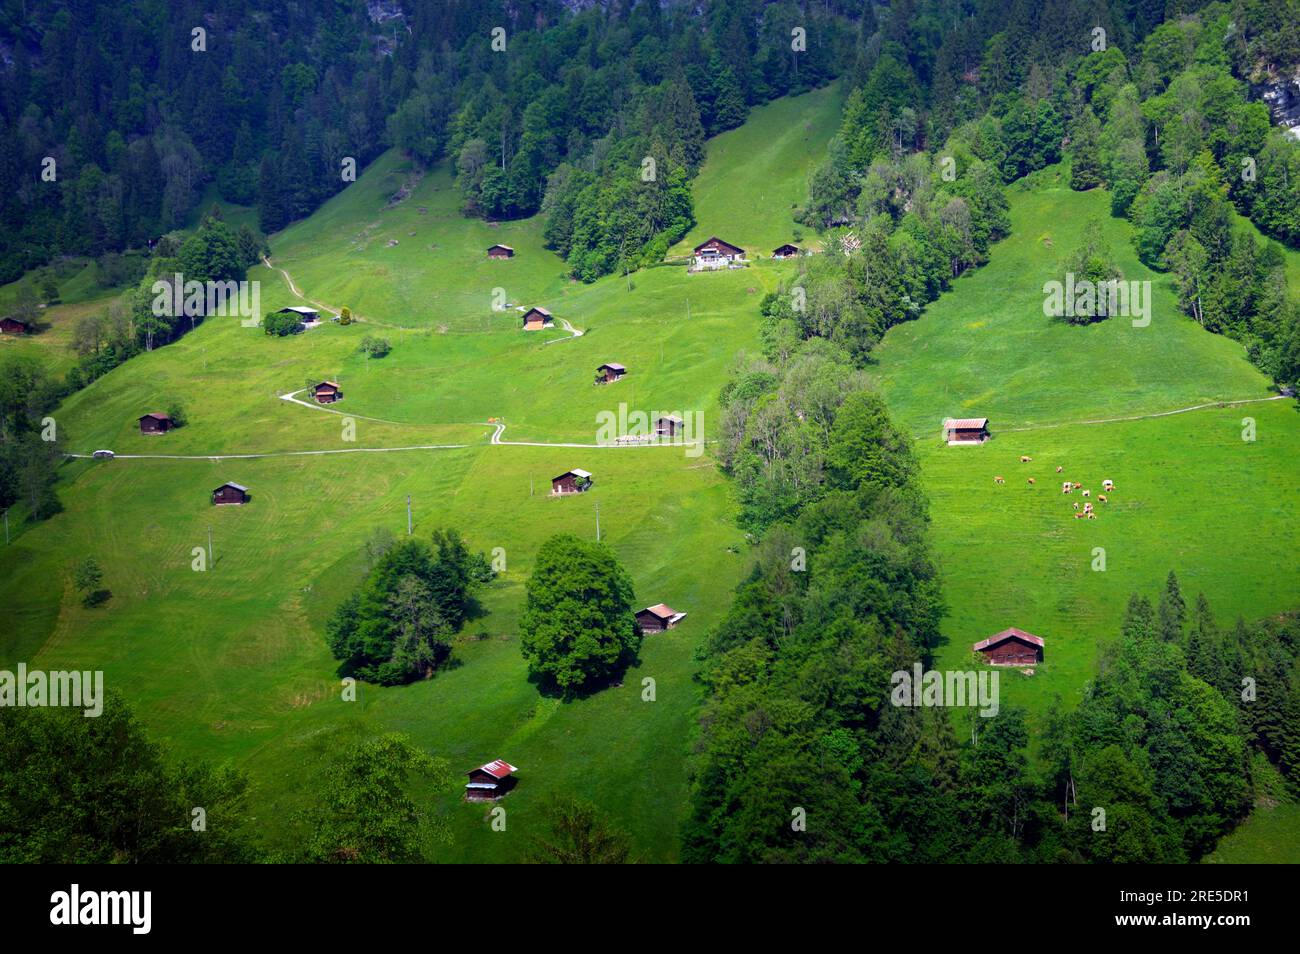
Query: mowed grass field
(1190, 494)
(230, 664)
(1269, 836)
(756, 175)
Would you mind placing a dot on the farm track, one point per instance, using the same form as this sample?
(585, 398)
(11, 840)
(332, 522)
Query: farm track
(1134, 417)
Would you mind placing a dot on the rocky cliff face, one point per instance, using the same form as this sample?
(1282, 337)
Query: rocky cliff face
(1282, 97)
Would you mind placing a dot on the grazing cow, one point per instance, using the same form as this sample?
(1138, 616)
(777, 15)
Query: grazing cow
(1087, 492)
(1108, 485)
(1024, 459)
(1101, 497)
(999, 480)
(1076, 505)
(1087, 508)
(1059, 469)
(1078, 516)
(1091, 515)
(1031, 480)
(1066, 487)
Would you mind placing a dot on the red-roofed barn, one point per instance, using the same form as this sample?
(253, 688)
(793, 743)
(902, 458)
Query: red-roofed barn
(490, 781)
(966, 430)
(657, 618)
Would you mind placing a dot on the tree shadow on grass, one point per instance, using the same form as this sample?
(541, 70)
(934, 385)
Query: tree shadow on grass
(96, 598)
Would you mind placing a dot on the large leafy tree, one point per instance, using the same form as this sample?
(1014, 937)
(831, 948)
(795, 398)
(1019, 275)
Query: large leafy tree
(368, 812)
(578, 628)
(397, 626)
(98, 791)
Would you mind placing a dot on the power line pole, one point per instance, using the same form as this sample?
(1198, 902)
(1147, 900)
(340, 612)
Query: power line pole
(597, 521)
(408, 515)
(210, 546)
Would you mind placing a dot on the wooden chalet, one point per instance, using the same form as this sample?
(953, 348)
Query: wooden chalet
(609, 373)
(786, 251)
(716, 253)
(155, 422)
(669, 425)
(571, 482)
(500, 251)
(966, 430)
(230, 494)
(10, 325)
(490, 781)
(1011, 647)
(657, 618)
(535, 319)
(326, 392)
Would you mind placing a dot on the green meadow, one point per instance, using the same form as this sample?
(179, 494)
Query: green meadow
(1190, 494)
(755, 176)
(229, 664)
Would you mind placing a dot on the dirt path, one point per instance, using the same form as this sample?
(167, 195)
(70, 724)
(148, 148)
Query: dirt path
(573, 332)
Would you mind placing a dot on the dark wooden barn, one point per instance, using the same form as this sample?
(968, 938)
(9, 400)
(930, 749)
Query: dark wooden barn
(155, 422)
(501, 251)
(609, 373)
(966, 430)
(571, 482)
(537, 318)
(230, 494)
(1011, 647)
(657, 618)
(490, 781)
(785, 251)
(326, 392)
(10, 325)
(669, 425)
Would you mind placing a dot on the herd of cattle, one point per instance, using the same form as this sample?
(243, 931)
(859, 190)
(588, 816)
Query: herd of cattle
(1069, 487)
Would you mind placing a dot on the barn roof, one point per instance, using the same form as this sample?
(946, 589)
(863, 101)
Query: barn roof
(499, 245)
(231, 483)
(14, 318)
(539, 309)
(300, 309)
(662, 610)
(330, 384)
(713, 238)
(1002, 637)
(786, 247)
(612, 366)
(669, 417)
(156, 415)
(575, 472)
(498, 769)
(966, 423)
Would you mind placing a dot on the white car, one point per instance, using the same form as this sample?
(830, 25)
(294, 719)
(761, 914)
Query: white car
(103, 454)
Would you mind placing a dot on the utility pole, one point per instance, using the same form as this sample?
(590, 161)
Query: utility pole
(597, 521)
(210, 546)
(408, 515)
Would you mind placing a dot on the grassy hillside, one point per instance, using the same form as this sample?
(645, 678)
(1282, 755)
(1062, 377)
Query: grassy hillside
(1191, 495)
(756, 175)
(231, 664)
(1268, 836)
